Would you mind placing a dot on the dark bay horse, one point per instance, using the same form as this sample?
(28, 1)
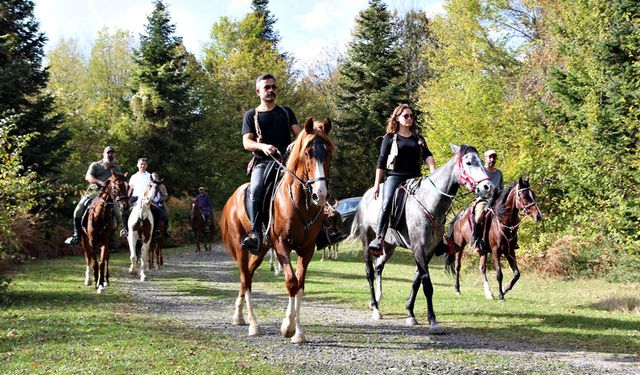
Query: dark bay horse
(199, 225)
(423, 226)
(155, 247)
(96, 238)
(296, 218)
(501, 233)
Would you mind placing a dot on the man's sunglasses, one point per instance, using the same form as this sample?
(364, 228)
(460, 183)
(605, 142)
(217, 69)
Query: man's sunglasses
(269, 87)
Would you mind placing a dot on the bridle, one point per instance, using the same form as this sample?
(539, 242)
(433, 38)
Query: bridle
(466, 179)
(525, 208)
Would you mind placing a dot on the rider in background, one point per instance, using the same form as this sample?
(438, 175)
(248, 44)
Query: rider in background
(402, 154)
(205, 205)
(159, 201)
(97, 174)
(490, 158)
(266, 130)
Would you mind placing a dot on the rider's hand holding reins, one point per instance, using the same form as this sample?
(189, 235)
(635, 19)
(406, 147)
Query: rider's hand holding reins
(269, 149)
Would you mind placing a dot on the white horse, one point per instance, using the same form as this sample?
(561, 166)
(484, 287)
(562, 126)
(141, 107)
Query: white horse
(141, 228)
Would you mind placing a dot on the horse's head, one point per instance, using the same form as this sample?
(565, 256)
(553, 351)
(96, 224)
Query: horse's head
(310, 159)
(470, 171)
(525, 200)
(149, 192)
(119, 188)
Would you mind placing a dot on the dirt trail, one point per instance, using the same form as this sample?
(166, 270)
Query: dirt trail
(344, 340)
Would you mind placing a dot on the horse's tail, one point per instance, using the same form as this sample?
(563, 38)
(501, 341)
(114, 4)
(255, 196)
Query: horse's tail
(355, 226)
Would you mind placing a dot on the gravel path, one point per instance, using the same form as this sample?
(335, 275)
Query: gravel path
(344, 340)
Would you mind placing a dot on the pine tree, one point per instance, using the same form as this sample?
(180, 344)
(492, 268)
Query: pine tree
(268, 32)
(22, 88)
(165, 104)
(370, 86)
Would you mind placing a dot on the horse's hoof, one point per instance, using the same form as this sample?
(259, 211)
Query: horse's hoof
(457, 293)
(436, 329)
(238, 321)
(298, 338)
(411, 322)
(286, 329)
(254, 330)
(100, 290)
(87, 282)
(132, 270)
(376, 315)
(278, 273)
(106, 284)
(143, 278)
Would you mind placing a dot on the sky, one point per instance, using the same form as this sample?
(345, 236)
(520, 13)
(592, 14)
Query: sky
(305, 26)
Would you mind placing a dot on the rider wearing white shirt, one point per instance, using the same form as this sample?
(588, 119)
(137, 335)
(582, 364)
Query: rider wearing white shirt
(139, 180)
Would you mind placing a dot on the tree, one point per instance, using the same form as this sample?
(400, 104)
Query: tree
(414, 35)
(22, 88)
(268, 32)
(234, 58)
(165, 105)
(370, 86)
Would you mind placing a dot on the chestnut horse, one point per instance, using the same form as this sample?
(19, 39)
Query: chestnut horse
(296, 218)
(141, 224)
(501, 234)
(100, 226)
(199, 226)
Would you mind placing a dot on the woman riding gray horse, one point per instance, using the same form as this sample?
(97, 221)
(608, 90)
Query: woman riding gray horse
(422, 228)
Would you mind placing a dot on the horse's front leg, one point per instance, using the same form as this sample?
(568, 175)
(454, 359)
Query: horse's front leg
(485, 282)
(131, 240)
(88, 261)
(144, 259)
(301, 275)
(369, 272)
(415, 287)
(288, 328)
(427, 287)
(197, 241)
(511, 258)
(101, 269)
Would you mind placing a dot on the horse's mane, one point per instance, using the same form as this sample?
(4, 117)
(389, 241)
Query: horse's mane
(303, 141)
(466, 149)
(502, 199)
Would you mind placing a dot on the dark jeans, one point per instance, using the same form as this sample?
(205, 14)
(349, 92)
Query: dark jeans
(256, 194)
(388, 190)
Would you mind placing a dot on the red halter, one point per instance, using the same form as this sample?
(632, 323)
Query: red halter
(465, 178)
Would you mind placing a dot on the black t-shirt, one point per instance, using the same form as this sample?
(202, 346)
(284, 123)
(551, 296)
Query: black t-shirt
(273, 125)
(410, 157)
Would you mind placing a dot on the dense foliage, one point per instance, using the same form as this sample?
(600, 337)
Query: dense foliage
(552, 85)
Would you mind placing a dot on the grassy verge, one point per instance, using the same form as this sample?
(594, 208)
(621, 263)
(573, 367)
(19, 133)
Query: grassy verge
(591, 315)
(54, 324)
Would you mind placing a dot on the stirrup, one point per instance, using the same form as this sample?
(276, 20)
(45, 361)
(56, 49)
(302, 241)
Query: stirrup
(73, 240)
(252, 243)
(376, 246)
(124, 232)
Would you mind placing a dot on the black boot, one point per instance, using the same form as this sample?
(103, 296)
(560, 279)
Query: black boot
(476, 239)
(376, 246)
(77, 228)
(253, 240)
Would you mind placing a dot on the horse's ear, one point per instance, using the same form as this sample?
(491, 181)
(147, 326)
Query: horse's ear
(327, 125)
(455, 148)
(527, 179)
(520, 180)
(308, 125)
(126, 174)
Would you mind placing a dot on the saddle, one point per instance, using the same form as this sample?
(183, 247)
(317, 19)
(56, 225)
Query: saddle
(272, 175)
(397, 214)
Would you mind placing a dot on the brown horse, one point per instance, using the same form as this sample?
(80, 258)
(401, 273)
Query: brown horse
(296, 218)
(199, 226)
(96, 238)
(501, 234)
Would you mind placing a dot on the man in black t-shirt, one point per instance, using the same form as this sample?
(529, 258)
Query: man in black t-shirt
(266, 130)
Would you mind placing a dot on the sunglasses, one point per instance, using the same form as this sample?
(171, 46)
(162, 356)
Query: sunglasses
(269, 87)
(407, 116)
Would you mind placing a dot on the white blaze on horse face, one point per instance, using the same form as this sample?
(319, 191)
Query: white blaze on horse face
(475, 170)
(320, 186)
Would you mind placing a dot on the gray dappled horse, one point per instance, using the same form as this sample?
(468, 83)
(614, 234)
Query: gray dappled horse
(423, 227)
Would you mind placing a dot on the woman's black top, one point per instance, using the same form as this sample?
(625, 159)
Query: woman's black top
(410, 157)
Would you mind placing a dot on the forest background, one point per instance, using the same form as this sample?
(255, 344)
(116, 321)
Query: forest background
(553, 85)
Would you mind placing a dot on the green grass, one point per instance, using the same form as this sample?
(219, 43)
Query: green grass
(591, 315)
(55, 324)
